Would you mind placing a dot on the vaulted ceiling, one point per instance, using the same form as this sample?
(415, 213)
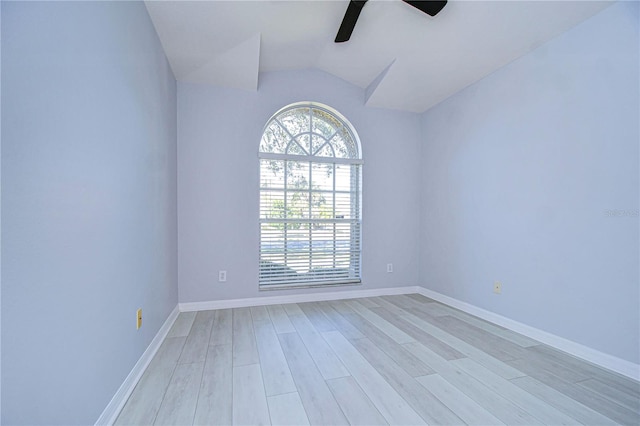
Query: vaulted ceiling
(403, 58)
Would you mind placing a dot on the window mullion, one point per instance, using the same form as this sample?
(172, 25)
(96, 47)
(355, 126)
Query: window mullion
(355, 209)
(310, 225)
(310, 213)
(295, 157)
(335, 263)
(285, 129)
(285, 214)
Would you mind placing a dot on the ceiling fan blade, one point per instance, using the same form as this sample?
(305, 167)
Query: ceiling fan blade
(430, 7)
(349, 20)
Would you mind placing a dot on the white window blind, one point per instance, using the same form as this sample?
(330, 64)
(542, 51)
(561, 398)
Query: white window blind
(310, 191)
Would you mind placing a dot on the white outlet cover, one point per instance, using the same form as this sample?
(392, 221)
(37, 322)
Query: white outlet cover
(222, 276)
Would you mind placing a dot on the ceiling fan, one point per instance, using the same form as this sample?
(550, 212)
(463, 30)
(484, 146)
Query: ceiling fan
(430, 7)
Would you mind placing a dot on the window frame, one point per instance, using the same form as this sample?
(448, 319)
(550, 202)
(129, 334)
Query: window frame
(355, 161)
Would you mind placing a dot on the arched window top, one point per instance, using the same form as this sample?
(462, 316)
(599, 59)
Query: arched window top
(310, 129)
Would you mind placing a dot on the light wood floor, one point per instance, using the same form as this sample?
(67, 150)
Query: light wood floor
(381, 360)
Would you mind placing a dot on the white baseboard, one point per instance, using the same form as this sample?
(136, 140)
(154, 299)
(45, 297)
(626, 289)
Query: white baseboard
(601, 359)
(110, 413)
(294, 298)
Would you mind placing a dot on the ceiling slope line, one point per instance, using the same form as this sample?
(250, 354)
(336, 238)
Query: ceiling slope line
(371, 88)
(237, 67)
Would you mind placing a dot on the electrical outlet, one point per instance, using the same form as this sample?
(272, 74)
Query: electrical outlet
(138, 319)
(222, 276)
(389, 268)
(497, 287)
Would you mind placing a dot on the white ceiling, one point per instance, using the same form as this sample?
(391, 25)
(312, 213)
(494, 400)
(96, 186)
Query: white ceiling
(404, 58)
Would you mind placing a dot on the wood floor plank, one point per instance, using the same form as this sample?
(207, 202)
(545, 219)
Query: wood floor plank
(562, 361)
(438, 346)
(340, 306)
(168, 353)
(491, 333)
(318, 401)
(328, 363)
(249, 401)
(405, 302)
(355, 404)
(436, 309)
(367, 302)
(429, 407)
(562, 402)
(587, 369)
(615, 394)
(383, 303)
(144, 402)
(487, 342)
(222, 330)
(464, 407)
(280, 319)
(551, 365)
(179, 404)
(317, 317)
(182, 324)
(245, 350)
(340, 322)
(195, 349)
(585, 396)
(431, 308)
(275, 371)
(516, 338)
(544, 412)
(405, 359)
(420, 298)
(287, 409)
(389, 403)
(493, 364)
(500, 407)
(215, 399)
(292, 309)
(385, 326)
(259, 313)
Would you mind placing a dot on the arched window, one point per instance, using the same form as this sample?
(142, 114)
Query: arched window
(310, 196)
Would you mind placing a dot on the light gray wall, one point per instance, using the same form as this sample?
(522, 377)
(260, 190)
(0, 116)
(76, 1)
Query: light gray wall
(89, 203)
(218, 136)
(519, 173)
(0, 220)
